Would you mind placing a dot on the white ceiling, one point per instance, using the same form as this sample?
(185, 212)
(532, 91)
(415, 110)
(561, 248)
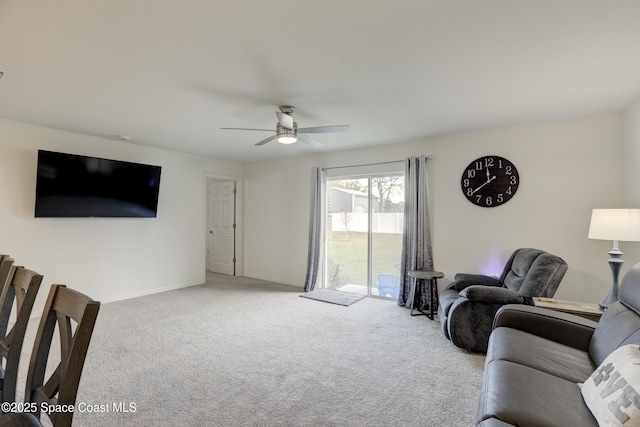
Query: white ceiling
(171, 73)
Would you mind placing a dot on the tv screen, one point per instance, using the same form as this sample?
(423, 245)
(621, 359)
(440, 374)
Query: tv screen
(72, 186)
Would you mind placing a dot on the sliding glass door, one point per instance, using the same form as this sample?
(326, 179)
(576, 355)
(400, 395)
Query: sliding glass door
(364, 224)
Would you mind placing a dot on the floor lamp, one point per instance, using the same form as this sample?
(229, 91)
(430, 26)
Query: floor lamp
(616, 225)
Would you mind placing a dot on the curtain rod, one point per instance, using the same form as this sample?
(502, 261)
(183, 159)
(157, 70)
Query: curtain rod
(372, 164)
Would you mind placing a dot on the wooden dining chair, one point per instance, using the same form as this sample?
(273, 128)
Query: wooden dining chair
(19, 290)
(6, 262)
(65, 308)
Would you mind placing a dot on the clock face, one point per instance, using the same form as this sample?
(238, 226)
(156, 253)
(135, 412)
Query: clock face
(490, 181)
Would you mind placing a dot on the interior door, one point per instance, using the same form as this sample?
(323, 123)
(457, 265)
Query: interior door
(221, 256)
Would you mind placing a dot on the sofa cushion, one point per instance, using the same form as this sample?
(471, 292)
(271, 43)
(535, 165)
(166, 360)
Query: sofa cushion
(628, 292)
(463, 280)
(612, 392)
(532, 272)
(618, 326)
(523, 396)
(520, 264)
(538, 353)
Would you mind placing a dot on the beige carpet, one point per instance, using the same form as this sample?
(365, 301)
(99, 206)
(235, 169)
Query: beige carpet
(242, 352)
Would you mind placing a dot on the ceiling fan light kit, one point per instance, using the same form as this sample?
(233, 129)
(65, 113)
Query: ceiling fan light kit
(287, 136)
(287, 129)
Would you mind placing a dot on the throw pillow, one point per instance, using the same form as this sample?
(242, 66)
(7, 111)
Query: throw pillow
(612, 392)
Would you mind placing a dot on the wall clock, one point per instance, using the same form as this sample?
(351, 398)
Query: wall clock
(490, 181)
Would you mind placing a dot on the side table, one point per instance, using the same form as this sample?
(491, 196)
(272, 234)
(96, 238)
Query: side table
(582, 309)
(430, 278)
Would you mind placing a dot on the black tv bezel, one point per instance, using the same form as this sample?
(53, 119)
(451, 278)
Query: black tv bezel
(95, 211)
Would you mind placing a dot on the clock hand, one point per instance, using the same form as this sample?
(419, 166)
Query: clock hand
(488, 181)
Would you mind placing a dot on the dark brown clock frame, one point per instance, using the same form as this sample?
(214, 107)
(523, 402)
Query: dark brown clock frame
(490, 181)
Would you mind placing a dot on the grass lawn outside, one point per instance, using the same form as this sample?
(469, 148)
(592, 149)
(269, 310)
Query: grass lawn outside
(347, 257)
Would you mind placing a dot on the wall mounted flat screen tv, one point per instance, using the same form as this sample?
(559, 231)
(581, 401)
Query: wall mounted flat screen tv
(73, 186)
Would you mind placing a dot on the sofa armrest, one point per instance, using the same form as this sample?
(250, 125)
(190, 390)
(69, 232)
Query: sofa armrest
(491, 294)
(567, 329)
(464, 280)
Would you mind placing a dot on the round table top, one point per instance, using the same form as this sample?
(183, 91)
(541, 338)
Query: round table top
(426, 274)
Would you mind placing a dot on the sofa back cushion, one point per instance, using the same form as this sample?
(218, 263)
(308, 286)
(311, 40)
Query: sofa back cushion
(534, 273)
(620, 324)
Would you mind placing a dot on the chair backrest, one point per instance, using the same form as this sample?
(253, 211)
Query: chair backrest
(388, 285)
(63, 306)
(5, 268)
(533, 273)
(21, 288)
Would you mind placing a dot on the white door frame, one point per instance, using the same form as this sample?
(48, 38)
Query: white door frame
(209, 178)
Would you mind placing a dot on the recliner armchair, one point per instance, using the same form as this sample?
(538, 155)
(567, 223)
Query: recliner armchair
(469, 304)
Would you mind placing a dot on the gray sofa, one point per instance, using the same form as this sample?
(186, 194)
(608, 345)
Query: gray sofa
(469, 304)
(536, 358)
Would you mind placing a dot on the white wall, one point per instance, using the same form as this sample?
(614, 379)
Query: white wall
(108, 259)
(276, 219)
(631, 173)
(631, 156)
(566, 169)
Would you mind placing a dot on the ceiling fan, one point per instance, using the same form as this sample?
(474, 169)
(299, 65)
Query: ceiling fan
(287, 131)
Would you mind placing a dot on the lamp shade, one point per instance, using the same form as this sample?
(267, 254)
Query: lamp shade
(615, 224)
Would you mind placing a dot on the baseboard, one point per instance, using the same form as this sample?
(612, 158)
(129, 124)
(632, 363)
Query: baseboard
(149, 292)
(271, 279)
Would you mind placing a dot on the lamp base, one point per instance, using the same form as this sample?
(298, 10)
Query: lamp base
(615, 263)
(611, 297)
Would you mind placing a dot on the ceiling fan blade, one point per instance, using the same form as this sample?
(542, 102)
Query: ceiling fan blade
(309, 141)
(264, 141)
(325, 129)
(265, 130)
(285, 120)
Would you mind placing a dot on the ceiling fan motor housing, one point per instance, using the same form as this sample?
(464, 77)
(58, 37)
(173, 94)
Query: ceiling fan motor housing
(287, 109)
